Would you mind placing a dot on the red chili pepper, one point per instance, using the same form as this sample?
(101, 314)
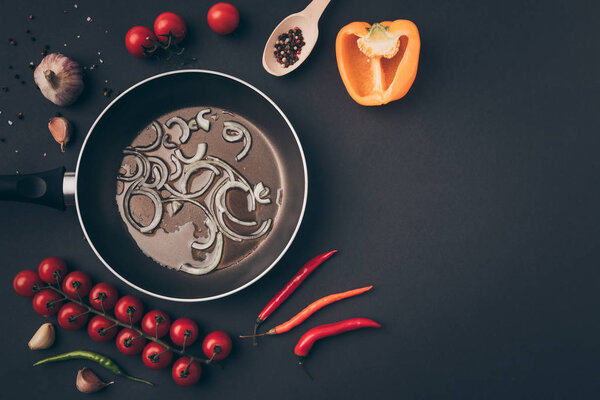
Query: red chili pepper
(311, 309)
(289, 288)
(307, 340)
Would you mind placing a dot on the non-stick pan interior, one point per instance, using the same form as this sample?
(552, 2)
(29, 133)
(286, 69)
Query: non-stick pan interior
(100, 161)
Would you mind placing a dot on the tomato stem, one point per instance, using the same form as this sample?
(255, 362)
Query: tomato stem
(116, 322)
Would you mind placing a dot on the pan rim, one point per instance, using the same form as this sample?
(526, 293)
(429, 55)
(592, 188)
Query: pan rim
(281, 254)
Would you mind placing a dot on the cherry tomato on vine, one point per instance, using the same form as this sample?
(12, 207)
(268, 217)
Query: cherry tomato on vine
(183, 330)
(129, 342)
(72, 316)
(217, 345)
(47, 302)
(223, 18)
(51, 269)
(77, 284)
(169, 22)
(150, 321)
(25, 282)
(101, 329)
(103, 294)
(154, 356)
(129, 309)
(185, 373)
(138, 39)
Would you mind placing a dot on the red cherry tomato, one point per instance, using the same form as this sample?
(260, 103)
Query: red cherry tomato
(129, 342)
(217, 345)
(103, 294)
(184, 330)
(26, 283)
(154, 358)
(150, 321)
(185, 373)
(223, 18)
(45, 302)
(72, 316)
(129, 309)
(101, 329)
(77, 284)
(169, 22)
(52, 268)
(138, 39)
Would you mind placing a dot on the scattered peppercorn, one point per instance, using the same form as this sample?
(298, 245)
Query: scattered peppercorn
(288, 47)
(4, 89)
(33, 39)
(10, 67)
(58, 114)
(27, 31)
(23, 82)
(2, 140)
(17, 76)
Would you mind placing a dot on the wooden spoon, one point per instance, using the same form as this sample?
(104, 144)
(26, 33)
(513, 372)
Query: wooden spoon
(308, 21)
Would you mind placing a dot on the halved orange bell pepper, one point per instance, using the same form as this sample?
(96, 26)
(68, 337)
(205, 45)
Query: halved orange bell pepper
(378, 63)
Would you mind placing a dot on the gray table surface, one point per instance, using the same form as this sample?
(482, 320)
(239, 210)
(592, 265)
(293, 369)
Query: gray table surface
(471, 204)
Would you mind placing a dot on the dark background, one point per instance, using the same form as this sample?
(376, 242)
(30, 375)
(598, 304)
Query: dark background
(471, 204)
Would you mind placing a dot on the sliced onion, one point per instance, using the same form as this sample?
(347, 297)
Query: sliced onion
(200, 152)
(178, 170)
(239, 132)
(160, 172)
(167, 144)
(185, 129)
(138, 172)
(214, 262)
(218, 206)
(157, 141)
(261, 192)
(202, 122)
(175, 207)
(152, 195)
(212, 234)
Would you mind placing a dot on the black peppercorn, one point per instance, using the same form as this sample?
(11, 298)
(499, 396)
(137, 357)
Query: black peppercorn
(288, 46)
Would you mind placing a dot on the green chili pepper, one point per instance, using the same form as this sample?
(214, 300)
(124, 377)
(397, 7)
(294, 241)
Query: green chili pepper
(101, 360)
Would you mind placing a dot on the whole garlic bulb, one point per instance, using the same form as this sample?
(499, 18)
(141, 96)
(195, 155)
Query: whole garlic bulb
(59, 78)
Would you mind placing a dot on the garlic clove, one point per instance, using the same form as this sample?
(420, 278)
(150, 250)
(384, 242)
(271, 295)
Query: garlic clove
(59, 78)
(61, 130)
(88, 382)
(43, 337)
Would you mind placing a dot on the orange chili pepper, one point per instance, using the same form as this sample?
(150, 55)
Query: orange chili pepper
(311, 309)
(378, 63)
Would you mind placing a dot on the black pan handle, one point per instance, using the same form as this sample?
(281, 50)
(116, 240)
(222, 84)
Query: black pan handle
(42, 188)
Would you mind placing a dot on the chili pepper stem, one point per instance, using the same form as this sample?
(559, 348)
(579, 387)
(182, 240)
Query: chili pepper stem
(303, 367)
(254, 335)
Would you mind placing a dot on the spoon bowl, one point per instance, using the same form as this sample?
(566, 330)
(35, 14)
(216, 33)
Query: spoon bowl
(308, 21)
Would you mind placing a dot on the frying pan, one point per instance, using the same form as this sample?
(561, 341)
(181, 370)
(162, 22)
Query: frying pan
(93, 185)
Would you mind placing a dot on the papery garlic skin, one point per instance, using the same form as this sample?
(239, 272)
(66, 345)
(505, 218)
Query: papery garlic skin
(59, 78)
(88, 382)
(43, 337)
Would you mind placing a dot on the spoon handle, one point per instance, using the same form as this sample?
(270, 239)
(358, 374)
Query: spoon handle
(316, 8)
